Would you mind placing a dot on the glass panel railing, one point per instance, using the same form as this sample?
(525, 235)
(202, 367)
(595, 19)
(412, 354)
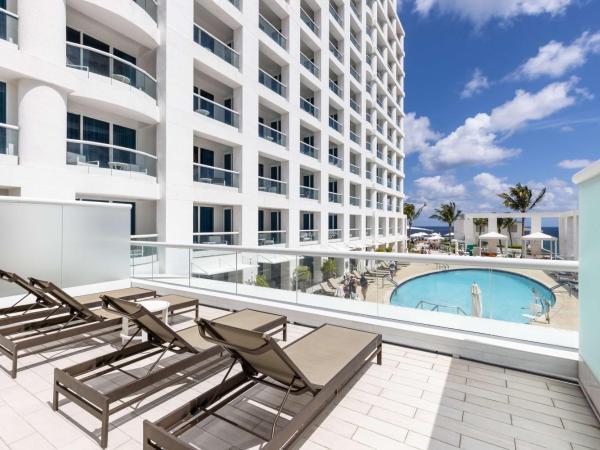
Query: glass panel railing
(309, 107)
(336, 161)
(271, 31)
(355, 41)
(369, 230)
(307, 63)
(309, 236)
(354, 233)
(309, 192)
(150, 6)
(355, 201)
(379, 154)
(272, 185)
(309, 21)
(355, 137)
(309, 150)
(214, 175)
(334, 197)
(106, 156)
(355, 74)
(334, 234)
(336, 15)
(273, 237)
(335, 88)
(9, 26)
(355, 106)
(368, 174)
(9, 139)
(235, 3)
(271, 134)
(216, 111)
(272, 83)
(380, 206)
(354, 169)
(354, 9)
(379, 179)
(216, 46)
(335, 125)
(369, 146)
(333, 49)
(223, 238)
(95, 61)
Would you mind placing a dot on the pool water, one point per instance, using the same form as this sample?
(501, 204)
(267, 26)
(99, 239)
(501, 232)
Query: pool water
(505, 295)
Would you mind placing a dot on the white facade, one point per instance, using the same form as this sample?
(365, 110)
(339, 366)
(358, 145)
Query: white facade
(249, 121)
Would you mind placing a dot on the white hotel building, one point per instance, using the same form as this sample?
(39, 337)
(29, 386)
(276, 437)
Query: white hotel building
(252, 122)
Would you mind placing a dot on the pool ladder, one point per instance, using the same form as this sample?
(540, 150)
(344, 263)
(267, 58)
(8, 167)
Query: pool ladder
(442, 267)
(437, 306)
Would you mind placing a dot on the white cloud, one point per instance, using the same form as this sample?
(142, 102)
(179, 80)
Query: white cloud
(574, 163)
(476, 141)
(436, 190)
(476, 85)
(481, 11)
(418, 132)
(560, 195)
(555, 58)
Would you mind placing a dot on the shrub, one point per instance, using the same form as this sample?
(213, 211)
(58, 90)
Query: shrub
(328, 268)
(261, 281)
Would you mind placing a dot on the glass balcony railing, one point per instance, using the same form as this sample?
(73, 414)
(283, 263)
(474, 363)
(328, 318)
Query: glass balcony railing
(272, 32)
(369, 231)
(380, 128)
(309, 235)
(368, 174)
(381, 230)
(355, 74)
(379, 180)
(150, 6)
(271, 134)
(368, 204)
(95, 61)
(369, 146)
(271, 185)
(272, 83)
(336, 125)
(354, 233)
(336, 15)
(389, 161)
(355, 201)
(380, 206)
(334, 197)
(334, 234)
(380, 154)
(216, 111)
(217, 238)
(309, 21)
(215, 175)
(354, 169)
(309, 192)
(354, 105)
(309, 150)
(354, 137)
(99, 155)
(273, 237)
(389, 183)
(355, 42)
(9, 26)
(306, 62)
(389, 207)
(9, 139)
(333, 49)
(335, 88)
(309, 107)
(354, 9)
(336, 161)
(214, 45)
(235, 3)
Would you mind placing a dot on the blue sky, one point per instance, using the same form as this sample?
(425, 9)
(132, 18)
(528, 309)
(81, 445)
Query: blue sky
(499, 92)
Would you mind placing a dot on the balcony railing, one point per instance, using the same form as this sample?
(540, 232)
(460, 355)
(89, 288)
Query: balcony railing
(339, 19)
(354, 105)
(309, 235)
(379, 180)
(92, 154)
(381, 230)
(389, 161)
(9, 139)
(96, 61)
(380, 128)
(355, 74)
(309, 192)
(216, 46)
(272, 83)
(334, 197)
(380, 206)
(333, 49)
(150, 6)
(354, 9)
(214, 175)
(309, 21)
(336, 161)
(354, 137)
(217, 238)
(216, 111)
(380, 154)
(389, 207)
(354, 201)
(354, 169)
(354, 233)
(309, 150)
(334, 234)
(389, 183)
(311, 66)
(335, 88)
(273, 237)
(335, 125)
(369, 231)
(368, 174)
(271, 134)
(271, 31)
(309, 107)
(9, 26)
(235, 3)
(355, 42)
(271, 185)
(369, 146)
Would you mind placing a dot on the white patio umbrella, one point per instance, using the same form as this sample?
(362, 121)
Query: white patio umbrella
(476, 301)
(492, 235)
(420, 234)
(540, 237)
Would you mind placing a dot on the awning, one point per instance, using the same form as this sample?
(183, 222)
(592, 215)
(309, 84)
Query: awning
(493, 235)
(538, 237)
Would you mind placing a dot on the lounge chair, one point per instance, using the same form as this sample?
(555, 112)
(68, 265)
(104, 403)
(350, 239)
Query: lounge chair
(335, 282)
(320, 363)
(326, 289)
(76, 382)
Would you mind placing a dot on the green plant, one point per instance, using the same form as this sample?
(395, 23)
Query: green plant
(515, 247)
(480, 223)
(261, 281)
(520, 198)
(329, 268)
(302, 274)
(448, 213)
(412, 213)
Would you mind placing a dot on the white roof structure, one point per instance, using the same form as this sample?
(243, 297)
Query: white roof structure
(419, 234)
(538, 237)
(493, 235)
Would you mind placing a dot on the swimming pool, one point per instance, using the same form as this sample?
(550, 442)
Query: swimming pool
(505, 295)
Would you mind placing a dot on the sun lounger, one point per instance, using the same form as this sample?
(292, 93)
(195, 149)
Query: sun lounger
(335, 282)
(40, 300)
(77, 382)
(320, 363)
(326, 289)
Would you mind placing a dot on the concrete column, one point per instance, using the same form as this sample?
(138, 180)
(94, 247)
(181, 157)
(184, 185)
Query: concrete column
(42, 26)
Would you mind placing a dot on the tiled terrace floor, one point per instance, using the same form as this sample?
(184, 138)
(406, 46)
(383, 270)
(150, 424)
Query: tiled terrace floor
(416, 400)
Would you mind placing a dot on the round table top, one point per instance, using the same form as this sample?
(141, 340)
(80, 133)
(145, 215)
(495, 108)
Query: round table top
(154, 305)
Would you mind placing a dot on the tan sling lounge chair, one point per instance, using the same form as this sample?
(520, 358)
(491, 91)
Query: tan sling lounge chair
(78, 382)
(320, 363)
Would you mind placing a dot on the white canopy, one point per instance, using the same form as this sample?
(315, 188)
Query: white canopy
(539, 236)
(435, 237)
(419, 234)
(493, 235)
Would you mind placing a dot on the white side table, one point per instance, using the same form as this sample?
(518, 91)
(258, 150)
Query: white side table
(154, 306)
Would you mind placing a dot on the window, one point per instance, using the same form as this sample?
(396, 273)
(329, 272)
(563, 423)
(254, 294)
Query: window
(333, 221)
(308, 221)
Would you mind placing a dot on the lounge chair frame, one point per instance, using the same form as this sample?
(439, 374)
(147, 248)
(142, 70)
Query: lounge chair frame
(71, 381)
(162, 434)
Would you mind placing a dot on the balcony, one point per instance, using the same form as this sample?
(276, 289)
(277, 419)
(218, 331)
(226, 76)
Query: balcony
(214, 175)
(333, 49)
(309, 22)
(273, 237)
(308, 64)
(354, 233)
(309, 236)
(369, 230)
(334, 234)
(271, 134)
(334, 197)
(335, 88)
(334, 13)
(380, 206)
(91, 60)
(272, 83)
(354, 9)
(150, 6)
(272, 186)
(9, 139)
(355, 106)
(272, 32)
(217, 238)
(355, 74)
(389, 183)
(368, 174)
(216, 111)
(355, 201)
(309, 150)
(9, 26)
(355, 42)
(355, 169)
(369, 146)
(335, 161)
(337, 126)
(309, 192)
(235, 3)
(379, 180)
(97, 155)
(215, 46)
(309, 107)
(355, 137)
(381, 230)
(380, 154)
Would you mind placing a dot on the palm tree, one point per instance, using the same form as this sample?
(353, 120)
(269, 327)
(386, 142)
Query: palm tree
(520, 198)
(480, 223)
(447, 213)
(507, 224)
(412, 214)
